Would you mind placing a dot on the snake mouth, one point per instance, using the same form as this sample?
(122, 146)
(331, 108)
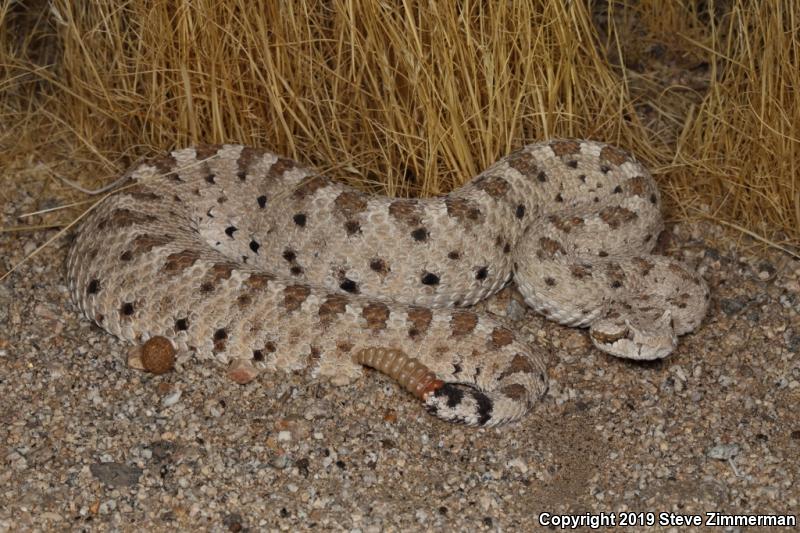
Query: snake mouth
(623, 338)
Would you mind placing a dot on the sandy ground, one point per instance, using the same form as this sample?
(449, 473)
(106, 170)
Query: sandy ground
(88, 443)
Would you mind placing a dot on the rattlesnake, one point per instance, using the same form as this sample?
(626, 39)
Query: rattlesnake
(235, 253)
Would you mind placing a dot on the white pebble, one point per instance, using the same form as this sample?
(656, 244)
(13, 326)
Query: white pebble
(724, 451)
(519, 464)
(171, 399)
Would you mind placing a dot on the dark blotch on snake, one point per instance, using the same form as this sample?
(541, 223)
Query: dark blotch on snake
(378, 265)
(485, 407)
(349, 285)
(430, 279)
(93, 287)
(451, 392)
(420, 234)
(352, 227)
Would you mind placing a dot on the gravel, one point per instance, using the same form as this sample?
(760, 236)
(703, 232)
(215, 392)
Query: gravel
(88, 443)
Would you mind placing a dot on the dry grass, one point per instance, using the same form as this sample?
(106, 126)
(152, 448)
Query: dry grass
(740, 148)
(411, 97)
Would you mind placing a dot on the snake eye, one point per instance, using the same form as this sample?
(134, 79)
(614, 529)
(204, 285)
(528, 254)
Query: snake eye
(609, 338)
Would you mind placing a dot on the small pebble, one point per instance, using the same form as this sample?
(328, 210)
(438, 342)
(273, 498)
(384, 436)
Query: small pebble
(242, 371)
(171, 399)
(280, 462)
(519, 464)
(723, 452)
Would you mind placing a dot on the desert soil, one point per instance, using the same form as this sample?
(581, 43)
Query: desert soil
(87, 443)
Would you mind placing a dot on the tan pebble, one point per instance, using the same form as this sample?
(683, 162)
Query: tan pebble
(163, 388)
(42, 311)
(299, 428)
(135, 358)
(791, 286)
(242, 371)
(576, 340)
(158, 355)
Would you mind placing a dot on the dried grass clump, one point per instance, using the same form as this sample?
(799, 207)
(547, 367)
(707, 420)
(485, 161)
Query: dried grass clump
(412, 97)
(740, 148)
(418, 96)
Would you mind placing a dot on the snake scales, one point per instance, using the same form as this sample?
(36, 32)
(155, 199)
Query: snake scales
(234, 253)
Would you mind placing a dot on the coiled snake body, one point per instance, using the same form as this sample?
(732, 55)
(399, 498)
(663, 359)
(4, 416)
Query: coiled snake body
(235, 253)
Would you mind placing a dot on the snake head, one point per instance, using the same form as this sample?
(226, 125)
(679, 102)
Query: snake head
(643, 336)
